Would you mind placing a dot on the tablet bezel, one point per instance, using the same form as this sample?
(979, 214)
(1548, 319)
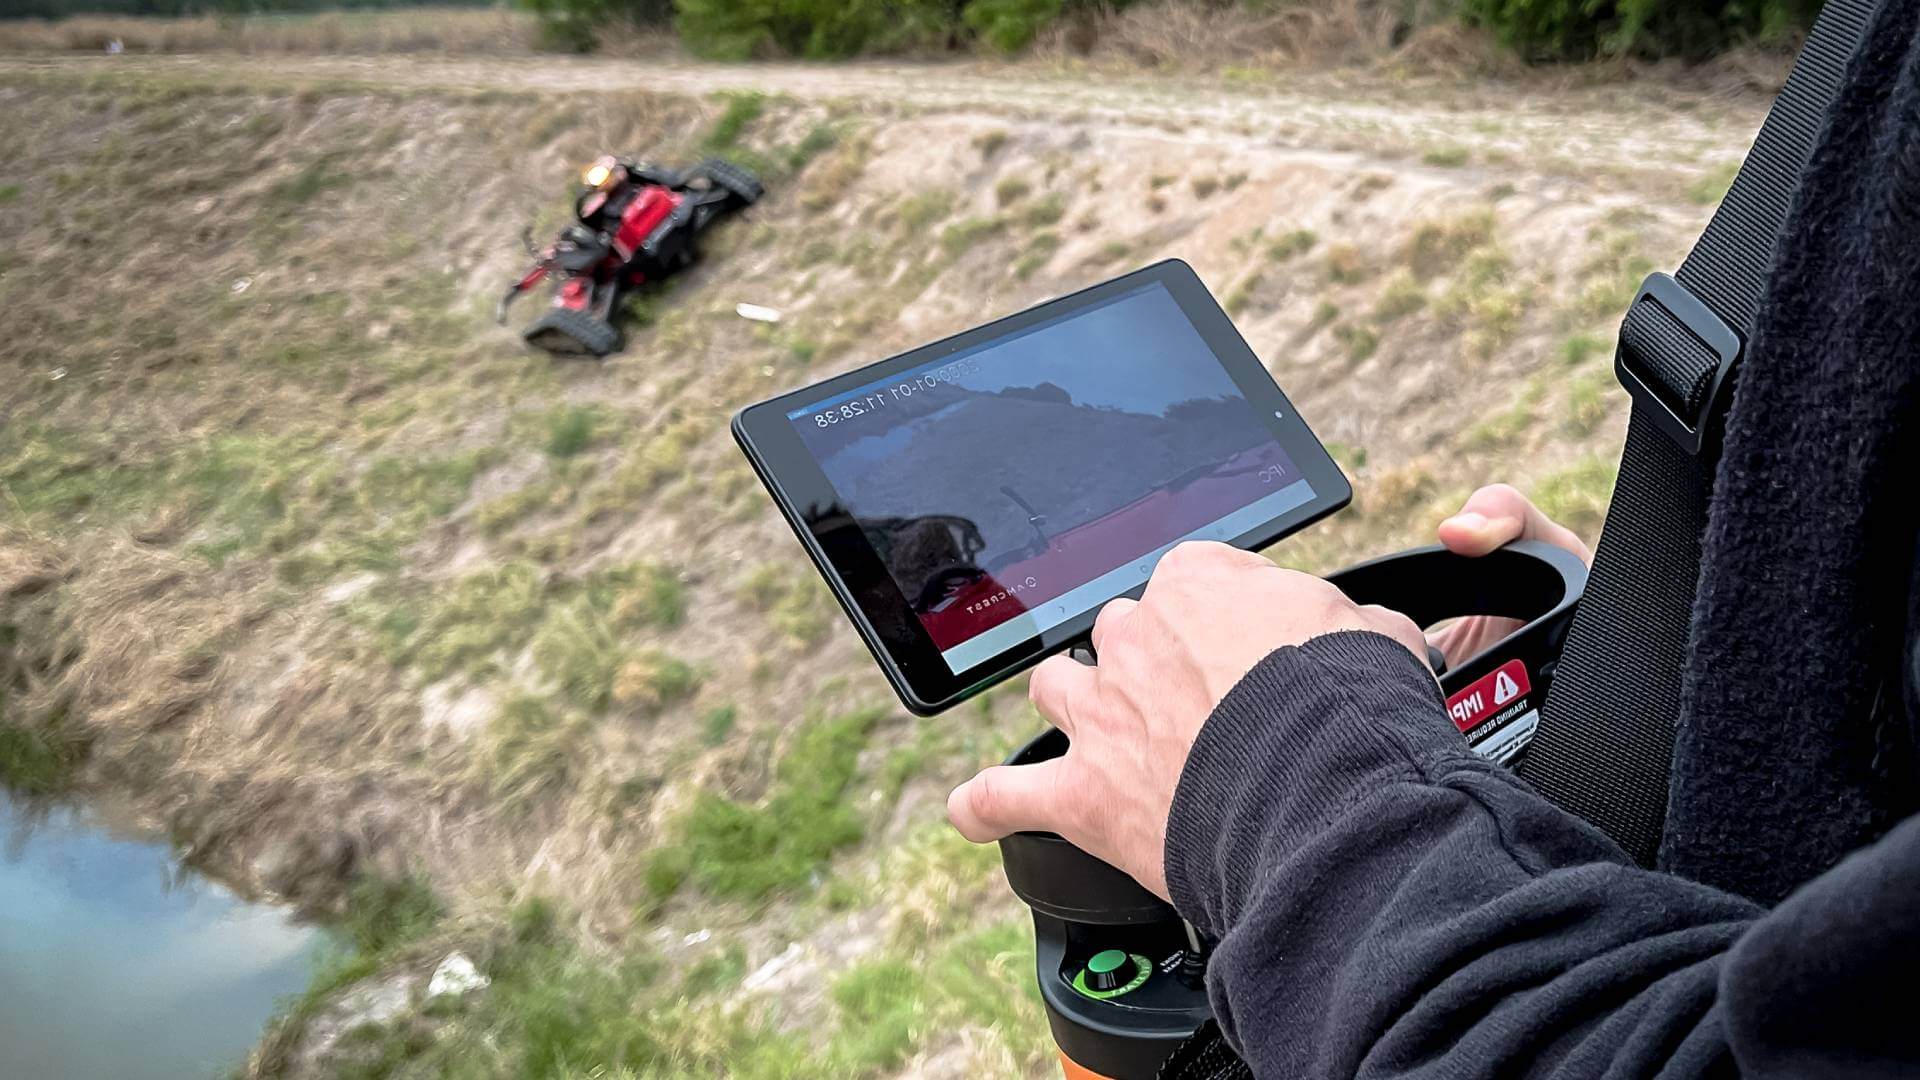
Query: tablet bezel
(861, 584)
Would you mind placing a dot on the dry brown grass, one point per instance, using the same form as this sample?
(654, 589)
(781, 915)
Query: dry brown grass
(450, 30)
(1241, 39)
(304, 298)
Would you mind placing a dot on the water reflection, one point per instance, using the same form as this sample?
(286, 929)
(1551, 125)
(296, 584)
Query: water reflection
(113, 963)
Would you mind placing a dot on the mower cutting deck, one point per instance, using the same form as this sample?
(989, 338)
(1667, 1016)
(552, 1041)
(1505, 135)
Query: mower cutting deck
(633, 223)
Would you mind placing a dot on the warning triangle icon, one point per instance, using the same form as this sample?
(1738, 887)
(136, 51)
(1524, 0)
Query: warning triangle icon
(1504, 688)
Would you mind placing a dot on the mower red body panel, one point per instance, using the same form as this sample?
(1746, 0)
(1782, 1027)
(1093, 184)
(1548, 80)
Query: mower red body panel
(650, 207)
(575, 293)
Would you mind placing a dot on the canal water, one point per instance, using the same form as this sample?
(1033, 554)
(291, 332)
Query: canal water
(115, 963)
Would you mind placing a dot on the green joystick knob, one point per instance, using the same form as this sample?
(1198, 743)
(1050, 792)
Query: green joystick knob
(1109, 970)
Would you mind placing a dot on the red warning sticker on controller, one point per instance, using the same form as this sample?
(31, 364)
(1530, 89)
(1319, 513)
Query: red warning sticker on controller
(1490, 695)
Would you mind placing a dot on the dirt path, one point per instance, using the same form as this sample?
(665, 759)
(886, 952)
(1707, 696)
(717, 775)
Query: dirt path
(1533, 126)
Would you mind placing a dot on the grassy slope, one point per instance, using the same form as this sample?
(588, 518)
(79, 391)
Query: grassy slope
(376, 611)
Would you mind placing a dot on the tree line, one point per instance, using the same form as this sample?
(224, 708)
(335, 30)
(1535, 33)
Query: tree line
(1541, 30)
(58, 9)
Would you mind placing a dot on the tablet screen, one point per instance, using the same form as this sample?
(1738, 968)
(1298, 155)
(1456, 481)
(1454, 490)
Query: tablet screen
(1015, 485)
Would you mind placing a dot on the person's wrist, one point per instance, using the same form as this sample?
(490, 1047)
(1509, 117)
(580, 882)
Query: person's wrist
(1306, 731)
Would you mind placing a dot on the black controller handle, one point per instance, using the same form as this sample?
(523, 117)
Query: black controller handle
(1085, 909)
(1531, 581)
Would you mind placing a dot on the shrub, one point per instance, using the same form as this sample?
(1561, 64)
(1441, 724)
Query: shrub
(1577, 29)
(738, 29)
(1010, 25)
(817, 29)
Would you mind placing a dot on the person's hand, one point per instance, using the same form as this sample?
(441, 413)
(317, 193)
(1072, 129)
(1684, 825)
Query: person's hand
(1210, 613)
(1496, 514)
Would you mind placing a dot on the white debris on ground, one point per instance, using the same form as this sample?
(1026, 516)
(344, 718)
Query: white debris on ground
(756, 313)
(768, 975)
(456, 975)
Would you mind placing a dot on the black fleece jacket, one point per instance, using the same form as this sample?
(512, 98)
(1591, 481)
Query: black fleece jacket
(1388, 905)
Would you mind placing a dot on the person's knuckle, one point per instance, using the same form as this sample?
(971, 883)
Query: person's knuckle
(1393, 622)
(1318, 593)
(1037, 686)
(1503, 492)
(1184, 557)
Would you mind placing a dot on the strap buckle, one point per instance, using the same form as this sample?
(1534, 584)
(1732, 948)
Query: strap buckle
(1676, 358)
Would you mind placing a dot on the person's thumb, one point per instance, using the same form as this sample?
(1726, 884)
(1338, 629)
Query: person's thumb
(1492, 516)
(1007, 799)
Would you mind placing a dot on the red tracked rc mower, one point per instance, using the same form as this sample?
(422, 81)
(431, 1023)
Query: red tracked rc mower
(634, 223)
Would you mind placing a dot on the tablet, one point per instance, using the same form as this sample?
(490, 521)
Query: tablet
(974, 502)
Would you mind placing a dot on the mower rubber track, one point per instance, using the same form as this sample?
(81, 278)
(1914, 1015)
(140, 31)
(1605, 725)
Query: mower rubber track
(565, 331)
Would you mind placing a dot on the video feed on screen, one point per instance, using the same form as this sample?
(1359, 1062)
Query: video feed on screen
(1012, 487)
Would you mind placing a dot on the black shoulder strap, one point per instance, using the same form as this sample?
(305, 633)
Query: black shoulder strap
(1605, 744)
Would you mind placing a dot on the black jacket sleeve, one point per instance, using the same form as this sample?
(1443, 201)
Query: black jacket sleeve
(1390, 905)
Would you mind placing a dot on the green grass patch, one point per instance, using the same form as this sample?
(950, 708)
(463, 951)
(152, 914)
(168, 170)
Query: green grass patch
(1351, 457)
(763, 586)
(1576, 349)
(307, 183)
(1291, 244)
(1510, 424)
(1011, 190)
(748, 851)
(386, 913)
(1039, 250)
(717, 724)
(40, 759)
(1324, 313)
(578, 629)
(888, 1009)
(1484, 296)
(1713, 186)
(571, 429)
(1610, 279)
(1044, 212)
(818, 140)
(963, 235)
(1577, 495)
(1446, 157)
(651, 680)
(9, 192)
(917, 212)
(1346, 264)
(531, 749)
(1438, 246)
(1401, 296)
(741, 110)
(58, 475)
(556, 1010)
(1590, 398)
(1361, 341)
(1241, 295)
